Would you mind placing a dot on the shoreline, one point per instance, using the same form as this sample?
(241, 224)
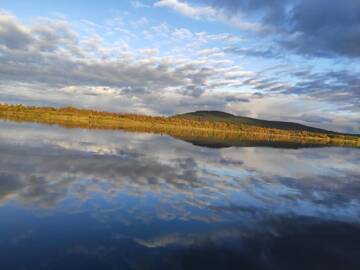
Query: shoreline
(192, 130)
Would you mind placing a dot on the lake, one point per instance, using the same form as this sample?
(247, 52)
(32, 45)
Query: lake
(94, 199)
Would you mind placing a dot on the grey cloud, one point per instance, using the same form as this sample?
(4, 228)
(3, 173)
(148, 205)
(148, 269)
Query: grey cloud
(50, 53)
(341, 87)
(236, 99)
(193, 90)
(325, 28)
(270, 10)
(250, 52)
(53, 65)
(12, 35)
(321, 28)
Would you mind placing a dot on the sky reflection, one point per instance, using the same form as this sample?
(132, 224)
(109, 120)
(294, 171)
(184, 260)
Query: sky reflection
(97, 194)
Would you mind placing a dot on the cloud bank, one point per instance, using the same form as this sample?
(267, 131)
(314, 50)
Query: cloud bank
(61, 62)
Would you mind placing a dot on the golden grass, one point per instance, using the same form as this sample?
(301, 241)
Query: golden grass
(70, 117)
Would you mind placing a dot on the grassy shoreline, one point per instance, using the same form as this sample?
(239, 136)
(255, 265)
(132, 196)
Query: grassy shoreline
(70, 117)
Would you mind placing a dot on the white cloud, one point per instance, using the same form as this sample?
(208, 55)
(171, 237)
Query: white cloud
(183, 33)
(50, 62)
(52, 58)
(186, 9)
(208, 13)
(138, 4)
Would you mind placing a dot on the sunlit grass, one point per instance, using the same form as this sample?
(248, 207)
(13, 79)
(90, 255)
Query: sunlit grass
(182, 128)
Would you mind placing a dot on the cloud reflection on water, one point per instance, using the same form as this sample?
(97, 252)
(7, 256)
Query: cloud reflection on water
(144, 201)
(45, 166)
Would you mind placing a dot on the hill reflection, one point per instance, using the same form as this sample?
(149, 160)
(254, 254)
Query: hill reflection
(148, 201)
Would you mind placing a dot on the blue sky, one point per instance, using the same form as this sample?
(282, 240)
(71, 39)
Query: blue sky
(277, 59)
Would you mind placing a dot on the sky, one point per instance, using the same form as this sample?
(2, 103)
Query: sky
(290, 60)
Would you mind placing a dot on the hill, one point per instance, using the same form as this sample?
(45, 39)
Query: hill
(233, 119)
(207, 128)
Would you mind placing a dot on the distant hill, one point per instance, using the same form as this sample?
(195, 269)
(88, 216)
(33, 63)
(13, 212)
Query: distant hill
(230, 118)
(206, 128)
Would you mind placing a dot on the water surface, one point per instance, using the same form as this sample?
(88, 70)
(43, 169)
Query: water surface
(92, 199)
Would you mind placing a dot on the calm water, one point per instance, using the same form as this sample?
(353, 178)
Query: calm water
(80, 199)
